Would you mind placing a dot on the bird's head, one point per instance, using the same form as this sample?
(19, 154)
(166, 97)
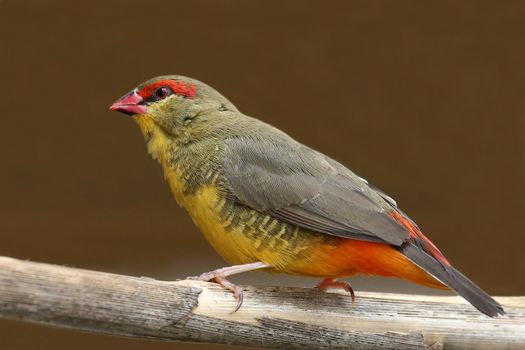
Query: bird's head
(171, 102)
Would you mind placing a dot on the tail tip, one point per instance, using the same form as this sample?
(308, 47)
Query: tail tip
(495, 310)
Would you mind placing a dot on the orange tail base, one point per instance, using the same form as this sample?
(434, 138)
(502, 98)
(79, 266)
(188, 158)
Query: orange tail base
(352, 257)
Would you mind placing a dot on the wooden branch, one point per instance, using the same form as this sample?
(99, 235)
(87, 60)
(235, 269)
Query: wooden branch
(271, 317)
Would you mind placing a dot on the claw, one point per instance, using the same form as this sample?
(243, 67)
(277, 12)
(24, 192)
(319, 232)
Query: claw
(237, 291)
(219, 277)
(240, 298)
(328, 283)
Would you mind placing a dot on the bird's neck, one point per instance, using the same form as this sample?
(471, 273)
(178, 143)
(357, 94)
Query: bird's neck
(157, 140)
(186, 167)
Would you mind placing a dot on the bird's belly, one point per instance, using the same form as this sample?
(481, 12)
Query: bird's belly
(204, 208)
(231, 244)
(242, 235)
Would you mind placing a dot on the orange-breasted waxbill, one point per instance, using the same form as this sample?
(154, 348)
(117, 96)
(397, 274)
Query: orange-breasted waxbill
(266, 201)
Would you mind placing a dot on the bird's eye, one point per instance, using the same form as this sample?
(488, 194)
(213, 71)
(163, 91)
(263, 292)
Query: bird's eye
(162, 92)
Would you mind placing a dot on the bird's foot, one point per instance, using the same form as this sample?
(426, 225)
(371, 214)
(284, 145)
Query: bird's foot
(219, 276)
(332, 283)
(221, 280)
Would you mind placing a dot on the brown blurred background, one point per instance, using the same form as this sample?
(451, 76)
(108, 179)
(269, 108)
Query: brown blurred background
(424, 100)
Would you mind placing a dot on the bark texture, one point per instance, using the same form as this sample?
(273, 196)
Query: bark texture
(271, 317)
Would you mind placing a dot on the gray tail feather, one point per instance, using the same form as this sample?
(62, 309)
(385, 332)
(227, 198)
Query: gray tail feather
(453, 279)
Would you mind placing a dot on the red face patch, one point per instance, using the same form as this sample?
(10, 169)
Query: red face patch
(178, 88)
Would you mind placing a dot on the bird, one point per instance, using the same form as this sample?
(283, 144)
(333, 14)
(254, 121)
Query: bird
(265, 201)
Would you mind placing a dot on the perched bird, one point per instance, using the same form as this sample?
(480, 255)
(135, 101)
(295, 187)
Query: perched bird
(266, 201)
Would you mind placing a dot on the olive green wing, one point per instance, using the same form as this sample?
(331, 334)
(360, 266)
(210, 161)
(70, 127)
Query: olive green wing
(306, 188)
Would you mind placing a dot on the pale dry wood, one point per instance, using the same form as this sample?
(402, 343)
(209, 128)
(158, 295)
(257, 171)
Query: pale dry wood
(271, 317)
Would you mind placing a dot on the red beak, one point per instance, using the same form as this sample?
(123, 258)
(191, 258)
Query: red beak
(129, 104)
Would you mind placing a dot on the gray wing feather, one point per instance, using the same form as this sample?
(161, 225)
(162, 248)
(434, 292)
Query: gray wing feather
(301, 186)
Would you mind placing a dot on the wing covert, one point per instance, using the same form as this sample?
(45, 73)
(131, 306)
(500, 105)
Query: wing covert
(303, 187)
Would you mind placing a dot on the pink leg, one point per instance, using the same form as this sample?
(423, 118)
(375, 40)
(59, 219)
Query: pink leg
(219, 276)
(328, 283)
